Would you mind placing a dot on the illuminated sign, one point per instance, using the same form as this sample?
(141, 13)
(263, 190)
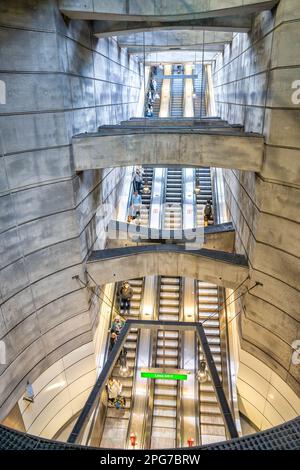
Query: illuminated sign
(164, 376)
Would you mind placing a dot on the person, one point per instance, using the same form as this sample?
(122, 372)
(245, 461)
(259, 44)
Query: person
(114, 389)
(118, 324)
(208, 209)
(126, 293)
(155, 70)
(113, 340)
(149, 112)
(136, 204)
(122, 357)
(137, 181)
(153, 85)
(150, 97)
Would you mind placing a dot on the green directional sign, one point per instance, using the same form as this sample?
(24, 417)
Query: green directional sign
(164, 376)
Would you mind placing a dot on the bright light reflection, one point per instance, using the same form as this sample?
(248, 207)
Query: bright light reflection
(60, 384)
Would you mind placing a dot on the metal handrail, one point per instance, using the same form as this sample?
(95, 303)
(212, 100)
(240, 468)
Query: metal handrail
(285, 436)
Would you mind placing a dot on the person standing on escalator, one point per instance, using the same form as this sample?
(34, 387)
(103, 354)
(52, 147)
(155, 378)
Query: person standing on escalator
(208, 211)
(118, 324)
(136, 204)
(126, 293)
(137, 181)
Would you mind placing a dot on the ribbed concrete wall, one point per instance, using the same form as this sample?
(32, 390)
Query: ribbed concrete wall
(253, 85)
(262, 395)
(60, 80)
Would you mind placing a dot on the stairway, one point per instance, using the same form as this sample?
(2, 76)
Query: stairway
(164, 418)
(212, 427)
(146, 197)
(173, 199)
(199, 88)
(203, 176)
(177, 92)
(118, 420)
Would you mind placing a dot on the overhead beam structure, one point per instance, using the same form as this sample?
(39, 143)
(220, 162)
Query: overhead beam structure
(215, 237)
(153, 10)
(212, 41)
(167, 143)
(119, 264)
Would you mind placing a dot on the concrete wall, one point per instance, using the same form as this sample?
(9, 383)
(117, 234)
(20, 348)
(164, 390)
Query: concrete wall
(60, 80)
(264, 397)
(60, 392)
(253, 86)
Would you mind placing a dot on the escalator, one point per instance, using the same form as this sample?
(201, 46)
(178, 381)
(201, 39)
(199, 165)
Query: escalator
(212, 427)
(173, 199)
(203, 179)
(165, 399)
(177, 93)
(146, 195)
(117, 421)
(199, 89)
(159, 80)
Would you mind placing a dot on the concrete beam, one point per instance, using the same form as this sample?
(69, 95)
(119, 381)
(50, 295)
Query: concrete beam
(217, 267)
(225, 24)
(157, 146)
(153, 10)
(179, 56)
(165, 40)
(216, 237)
(208, 47)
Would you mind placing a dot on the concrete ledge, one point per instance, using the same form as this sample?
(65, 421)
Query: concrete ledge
(165, 40)
(216, 237)
(152, 10)
(217, 267)
(238, 24)
(161, 146)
